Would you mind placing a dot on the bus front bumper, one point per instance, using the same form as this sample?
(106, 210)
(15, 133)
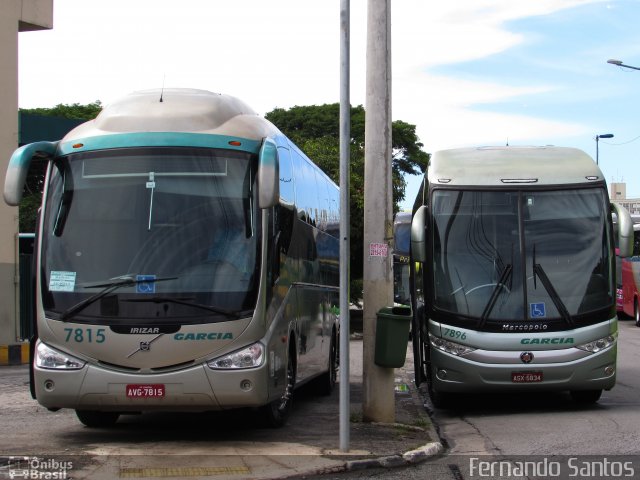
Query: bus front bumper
(485, 371)
(198, 388)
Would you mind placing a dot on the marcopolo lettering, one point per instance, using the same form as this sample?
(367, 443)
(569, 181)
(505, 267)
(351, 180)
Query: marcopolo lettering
(204, 336)
(509, 327)
(546, 341)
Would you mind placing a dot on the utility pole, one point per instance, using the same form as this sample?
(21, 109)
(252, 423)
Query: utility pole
(345, 218)
(378, 382)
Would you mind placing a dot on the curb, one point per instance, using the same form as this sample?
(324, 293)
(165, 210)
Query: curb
(14, 354)
(411, 457)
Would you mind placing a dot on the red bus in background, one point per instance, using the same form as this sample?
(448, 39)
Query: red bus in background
(628, 278)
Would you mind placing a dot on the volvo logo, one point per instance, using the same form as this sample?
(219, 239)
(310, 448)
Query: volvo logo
(526, 357)
(145, 346)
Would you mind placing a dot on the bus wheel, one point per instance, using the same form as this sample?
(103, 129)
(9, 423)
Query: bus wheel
(277, 412)
(95, 419)
(585, 397)
(636, 312)
(327, 381)
(438, 399)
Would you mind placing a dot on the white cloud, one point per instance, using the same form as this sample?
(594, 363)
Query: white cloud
(436, 33)
(285, 53)
(443, 110)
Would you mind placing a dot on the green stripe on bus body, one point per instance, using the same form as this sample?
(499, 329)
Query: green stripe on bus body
(157, 139)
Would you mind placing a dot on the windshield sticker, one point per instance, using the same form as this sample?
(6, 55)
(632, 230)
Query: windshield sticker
(62, 281)
(538, 310)
(145, 284)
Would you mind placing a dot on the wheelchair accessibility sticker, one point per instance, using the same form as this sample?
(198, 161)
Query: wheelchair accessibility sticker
(145, 284)
(537, 310)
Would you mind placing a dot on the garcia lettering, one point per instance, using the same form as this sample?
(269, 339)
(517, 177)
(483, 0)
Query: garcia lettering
(547, 341)
(203, 336)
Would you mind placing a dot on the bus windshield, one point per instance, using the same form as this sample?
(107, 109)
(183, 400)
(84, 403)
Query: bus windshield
(523, 256)
(151, 234)
(401, 253)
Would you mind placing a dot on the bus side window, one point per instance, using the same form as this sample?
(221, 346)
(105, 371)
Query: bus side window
(306, 191)
(285, 212)
(287, 187)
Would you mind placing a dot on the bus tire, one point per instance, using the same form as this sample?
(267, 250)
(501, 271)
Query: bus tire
(96, 419)
(418, 347)
(586, 397)
(438, 399)
(276, 413)
(327, 381)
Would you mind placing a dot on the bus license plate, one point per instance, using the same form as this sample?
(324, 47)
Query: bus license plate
(145, 391)
(526, 377)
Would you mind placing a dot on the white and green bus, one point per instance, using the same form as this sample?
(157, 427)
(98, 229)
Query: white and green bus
(187, 260)
(513, 273)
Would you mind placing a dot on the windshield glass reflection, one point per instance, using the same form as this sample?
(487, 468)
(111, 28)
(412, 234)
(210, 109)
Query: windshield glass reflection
(183, 215)
(521, 255)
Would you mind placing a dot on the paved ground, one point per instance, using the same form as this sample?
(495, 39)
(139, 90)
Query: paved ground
(230, 446)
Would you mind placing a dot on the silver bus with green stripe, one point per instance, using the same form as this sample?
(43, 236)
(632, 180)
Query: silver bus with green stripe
(187, 260)
(513, 273)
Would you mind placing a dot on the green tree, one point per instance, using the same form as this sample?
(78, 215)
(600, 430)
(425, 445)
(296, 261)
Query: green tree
(32, 196)
(316, 130)
(75, 111)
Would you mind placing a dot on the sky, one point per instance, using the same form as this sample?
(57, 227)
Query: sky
(464, 72)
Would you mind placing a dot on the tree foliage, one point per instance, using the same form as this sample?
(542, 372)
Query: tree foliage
(75, 111)
(32, 195)
(316, 130)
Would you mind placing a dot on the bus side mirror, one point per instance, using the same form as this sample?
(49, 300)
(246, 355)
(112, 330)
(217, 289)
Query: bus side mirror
(419, 235)
(624, 230)
(268, 175)
(19, 167)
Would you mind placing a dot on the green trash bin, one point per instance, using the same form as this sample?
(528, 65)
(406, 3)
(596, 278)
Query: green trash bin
(392, 336)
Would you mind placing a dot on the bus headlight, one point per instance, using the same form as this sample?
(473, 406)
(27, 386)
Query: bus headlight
(449, 347)
(47, 357)
(249, 357)
(600, 344)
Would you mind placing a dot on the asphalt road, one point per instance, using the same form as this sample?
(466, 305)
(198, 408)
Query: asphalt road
(544, 427)
(552, 424)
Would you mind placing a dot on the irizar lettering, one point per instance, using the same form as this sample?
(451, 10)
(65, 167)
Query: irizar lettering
(144, 330)
(203, 336)
(546, 341)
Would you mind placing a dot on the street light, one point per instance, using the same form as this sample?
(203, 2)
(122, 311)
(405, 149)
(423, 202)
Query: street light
(619, 63)
(598, 137)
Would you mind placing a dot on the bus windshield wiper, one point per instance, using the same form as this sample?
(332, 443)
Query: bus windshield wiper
(65, 200)
(539, 272)
(500, 286)
(186, 301)
(108, 288)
